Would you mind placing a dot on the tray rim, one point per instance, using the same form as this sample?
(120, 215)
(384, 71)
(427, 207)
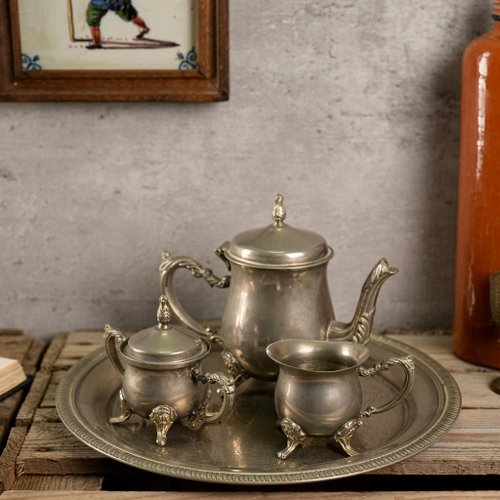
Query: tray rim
(445, 417)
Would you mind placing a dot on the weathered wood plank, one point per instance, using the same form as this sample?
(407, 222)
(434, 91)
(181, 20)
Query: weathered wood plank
(198, 495)
(11, 332)
(70, 354)
(8, 407)
(35, 482)
(471, 447)
(86, 337)
(49, 398)
(33, 399)
(49, 448)
(476, 391)
(8, 457)
(53, 351)
(15, 347)
(430, 344)
(32, 359)
(44, 415)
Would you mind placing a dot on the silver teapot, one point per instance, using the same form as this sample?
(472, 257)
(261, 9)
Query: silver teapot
(162, 379)
(278, 291)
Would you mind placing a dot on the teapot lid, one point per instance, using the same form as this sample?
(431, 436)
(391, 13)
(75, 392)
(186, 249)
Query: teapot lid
(278, 246)
(164, 343)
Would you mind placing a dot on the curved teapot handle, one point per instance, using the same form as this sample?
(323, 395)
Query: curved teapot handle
(168, 266)
(227, 391)
(111, 338)
(344, 435)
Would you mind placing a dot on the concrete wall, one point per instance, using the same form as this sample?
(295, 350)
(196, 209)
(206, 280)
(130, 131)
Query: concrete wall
(349, 108)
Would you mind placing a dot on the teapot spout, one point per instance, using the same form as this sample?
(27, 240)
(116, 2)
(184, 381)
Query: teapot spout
(359, 329)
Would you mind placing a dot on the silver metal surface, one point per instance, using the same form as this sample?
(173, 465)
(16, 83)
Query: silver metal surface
(278, 246)
(360, 327)
(242, 449)
(318, 389)
(163, 346)
(161, 376)
(278, 290)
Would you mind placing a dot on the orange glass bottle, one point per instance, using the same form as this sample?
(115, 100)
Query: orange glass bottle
(476, 335)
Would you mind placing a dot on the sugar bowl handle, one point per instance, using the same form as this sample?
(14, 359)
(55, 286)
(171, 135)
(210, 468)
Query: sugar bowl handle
(168, 266)
(344, 435)
(227, 391)
(113, 337)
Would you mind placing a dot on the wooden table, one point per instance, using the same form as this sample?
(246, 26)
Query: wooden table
(43, 460)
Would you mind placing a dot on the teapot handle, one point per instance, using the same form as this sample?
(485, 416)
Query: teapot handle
(344, 435)
(227, 391)
(168, 266)
(113, 337)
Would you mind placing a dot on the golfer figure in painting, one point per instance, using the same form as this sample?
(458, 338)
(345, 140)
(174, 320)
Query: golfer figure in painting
(124, 9)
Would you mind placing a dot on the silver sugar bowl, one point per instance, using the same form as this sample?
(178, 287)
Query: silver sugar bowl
(162, 379)
(278, 290)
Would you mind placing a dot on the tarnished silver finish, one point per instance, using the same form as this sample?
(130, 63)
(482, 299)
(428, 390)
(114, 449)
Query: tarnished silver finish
(168, 266)
(243, 450)
(113, 339)
(234, 368)
(264, 306)
(359, 329)
(278, 290)
(126, 412)
(203, 415)
(495, 297)
(318, 392)
(295, 436)
(279, 212)
(163, 417)
(161, 374)
(344, 435)
(278, 246)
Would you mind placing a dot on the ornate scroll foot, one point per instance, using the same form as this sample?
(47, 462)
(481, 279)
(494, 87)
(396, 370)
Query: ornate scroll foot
(344, 435)
(294, 435)
(234, 368)
(126, 411)
(162, 416)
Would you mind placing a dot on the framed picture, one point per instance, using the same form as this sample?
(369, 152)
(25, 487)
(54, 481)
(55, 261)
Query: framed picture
(114, 50)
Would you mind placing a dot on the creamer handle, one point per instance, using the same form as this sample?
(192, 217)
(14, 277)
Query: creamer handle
(168, 266)
(344, 435)
(113, 337)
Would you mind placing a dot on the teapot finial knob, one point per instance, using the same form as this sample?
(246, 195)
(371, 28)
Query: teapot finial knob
(279, 212)
(163, 313)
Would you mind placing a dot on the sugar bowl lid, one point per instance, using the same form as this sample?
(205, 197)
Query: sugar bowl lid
(165, 344)
(278, 246)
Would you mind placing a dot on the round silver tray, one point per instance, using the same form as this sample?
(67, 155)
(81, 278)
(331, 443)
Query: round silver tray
(242, 448)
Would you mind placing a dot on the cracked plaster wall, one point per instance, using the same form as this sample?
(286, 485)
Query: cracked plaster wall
(349, 108)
